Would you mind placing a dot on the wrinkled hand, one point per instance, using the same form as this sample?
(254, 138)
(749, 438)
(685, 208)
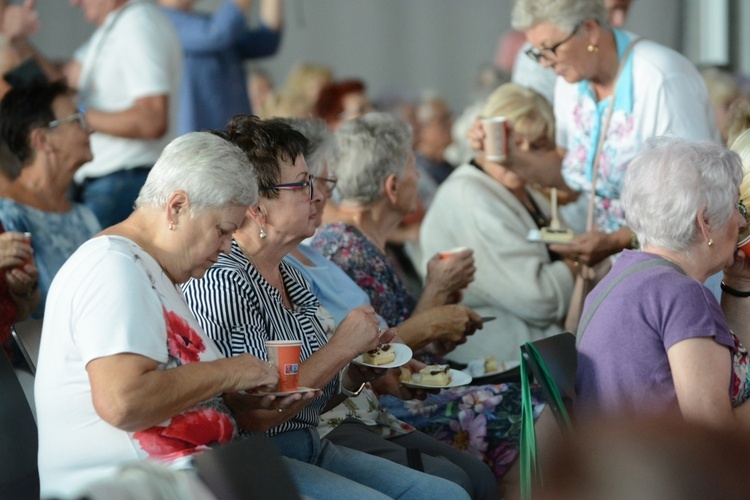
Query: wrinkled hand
(356, 375)
(588, 248)
(14, 249)
(451, 324)
(258, 414)
(252, 374)
(737, 275)
(451, 274)
(476, 135)
(360, 332)
(19, 21)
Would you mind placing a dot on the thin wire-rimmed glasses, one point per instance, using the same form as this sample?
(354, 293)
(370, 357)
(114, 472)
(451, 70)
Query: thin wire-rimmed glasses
(295, 186)
(80, 117)
(328, 182)
(549, 53)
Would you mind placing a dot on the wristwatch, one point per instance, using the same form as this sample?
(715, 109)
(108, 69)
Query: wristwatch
(343, 390)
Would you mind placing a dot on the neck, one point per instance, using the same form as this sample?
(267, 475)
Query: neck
(507, 178)
(605, 75)
(263, 255)
(375, 222)
(685, 261)
(143, 230)
(41, 188)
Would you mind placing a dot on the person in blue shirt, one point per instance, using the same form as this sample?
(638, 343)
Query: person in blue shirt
(215, 48)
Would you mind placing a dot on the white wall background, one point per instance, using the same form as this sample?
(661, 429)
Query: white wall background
(412, 45)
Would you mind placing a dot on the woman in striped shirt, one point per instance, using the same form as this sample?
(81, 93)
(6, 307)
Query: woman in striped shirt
(250, 296)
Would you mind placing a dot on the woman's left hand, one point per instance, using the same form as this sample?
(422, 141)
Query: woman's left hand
(356, 375)
(591, 248)
(260, 413)
(23, 281)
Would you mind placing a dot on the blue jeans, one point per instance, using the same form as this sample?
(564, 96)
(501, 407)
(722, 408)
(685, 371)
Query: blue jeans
(344, 473)
(111, 197)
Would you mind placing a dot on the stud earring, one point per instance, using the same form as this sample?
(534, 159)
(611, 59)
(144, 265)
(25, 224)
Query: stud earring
(171, 225)
(592, 48)
(262, 232)
(710, 242)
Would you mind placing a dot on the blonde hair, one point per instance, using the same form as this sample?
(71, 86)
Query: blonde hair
(528, 111)
(741, 146)
(739, 119)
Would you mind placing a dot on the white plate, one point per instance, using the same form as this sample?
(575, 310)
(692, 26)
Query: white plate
(403, 355)
(535, 236)
(458, 379)
(300, 390)
(502, 367)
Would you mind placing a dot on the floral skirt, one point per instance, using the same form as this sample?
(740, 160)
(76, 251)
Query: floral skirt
(484, 421)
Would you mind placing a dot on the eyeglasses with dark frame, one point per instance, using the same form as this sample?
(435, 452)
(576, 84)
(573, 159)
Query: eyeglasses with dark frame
(80, 117)
(329, 182)
(294, 186)
(547, 53)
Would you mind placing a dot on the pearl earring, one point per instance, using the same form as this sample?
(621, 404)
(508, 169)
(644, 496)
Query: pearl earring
(710, 242)
(262, 233)
(171, 225)
(592, 48)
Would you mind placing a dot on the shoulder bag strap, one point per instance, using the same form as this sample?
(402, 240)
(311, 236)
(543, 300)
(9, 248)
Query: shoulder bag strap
(600, 298)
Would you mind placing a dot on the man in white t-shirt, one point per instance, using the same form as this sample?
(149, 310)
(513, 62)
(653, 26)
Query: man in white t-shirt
(128, 79)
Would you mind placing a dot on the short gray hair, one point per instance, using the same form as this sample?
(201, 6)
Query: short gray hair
(565, 14)
(320, 141)
(212, 171)
(368, 150)
(668, 183)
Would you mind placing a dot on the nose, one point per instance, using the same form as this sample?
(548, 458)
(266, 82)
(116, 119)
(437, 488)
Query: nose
(226, 244)
(318, 194)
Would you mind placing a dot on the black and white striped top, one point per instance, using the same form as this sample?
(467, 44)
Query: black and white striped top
(240, 311)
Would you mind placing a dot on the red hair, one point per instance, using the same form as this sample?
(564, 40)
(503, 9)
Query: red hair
(330, 103)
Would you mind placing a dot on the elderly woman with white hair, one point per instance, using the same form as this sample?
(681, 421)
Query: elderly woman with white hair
(125, 372)
(374, 167)
(653, 340)
(608, 87)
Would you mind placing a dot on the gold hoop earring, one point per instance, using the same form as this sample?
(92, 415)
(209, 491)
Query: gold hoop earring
(592, 48)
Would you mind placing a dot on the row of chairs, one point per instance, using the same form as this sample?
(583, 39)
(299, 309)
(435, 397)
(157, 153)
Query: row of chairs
(224, 469)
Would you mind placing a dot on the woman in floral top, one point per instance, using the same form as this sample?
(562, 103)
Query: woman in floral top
(375, 195)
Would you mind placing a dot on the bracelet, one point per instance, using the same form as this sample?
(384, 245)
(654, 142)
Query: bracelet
(733, 292)
(343, 390)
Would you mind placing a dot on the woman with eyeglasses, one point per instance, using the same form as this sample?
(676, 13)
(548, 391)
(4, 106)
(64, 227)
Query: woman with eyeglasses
(43, 129)
(651, 89)
(252, 296)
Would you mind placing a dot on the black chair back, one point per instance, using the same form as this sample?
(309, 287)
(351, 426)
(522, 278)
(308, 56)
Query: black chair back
(28, 336)
(247, 468)
(19, 476)
(560, 357)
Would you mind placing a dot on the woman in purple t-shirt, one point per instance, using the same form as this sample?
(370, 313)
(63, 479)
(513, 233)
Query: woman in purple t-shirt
(653, 338)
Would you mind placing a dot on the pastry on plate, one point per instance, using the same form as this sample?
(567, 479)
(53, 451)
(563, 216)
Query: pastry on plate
(381, 355)
(435, 375)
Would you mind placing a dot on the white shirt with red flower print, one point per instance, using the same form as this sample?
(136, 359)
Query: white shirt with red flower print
(111, 297)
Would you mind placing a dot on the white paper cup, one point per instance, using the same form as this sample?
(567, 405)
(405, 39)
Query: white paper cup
(448, 253)
(496, 138)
